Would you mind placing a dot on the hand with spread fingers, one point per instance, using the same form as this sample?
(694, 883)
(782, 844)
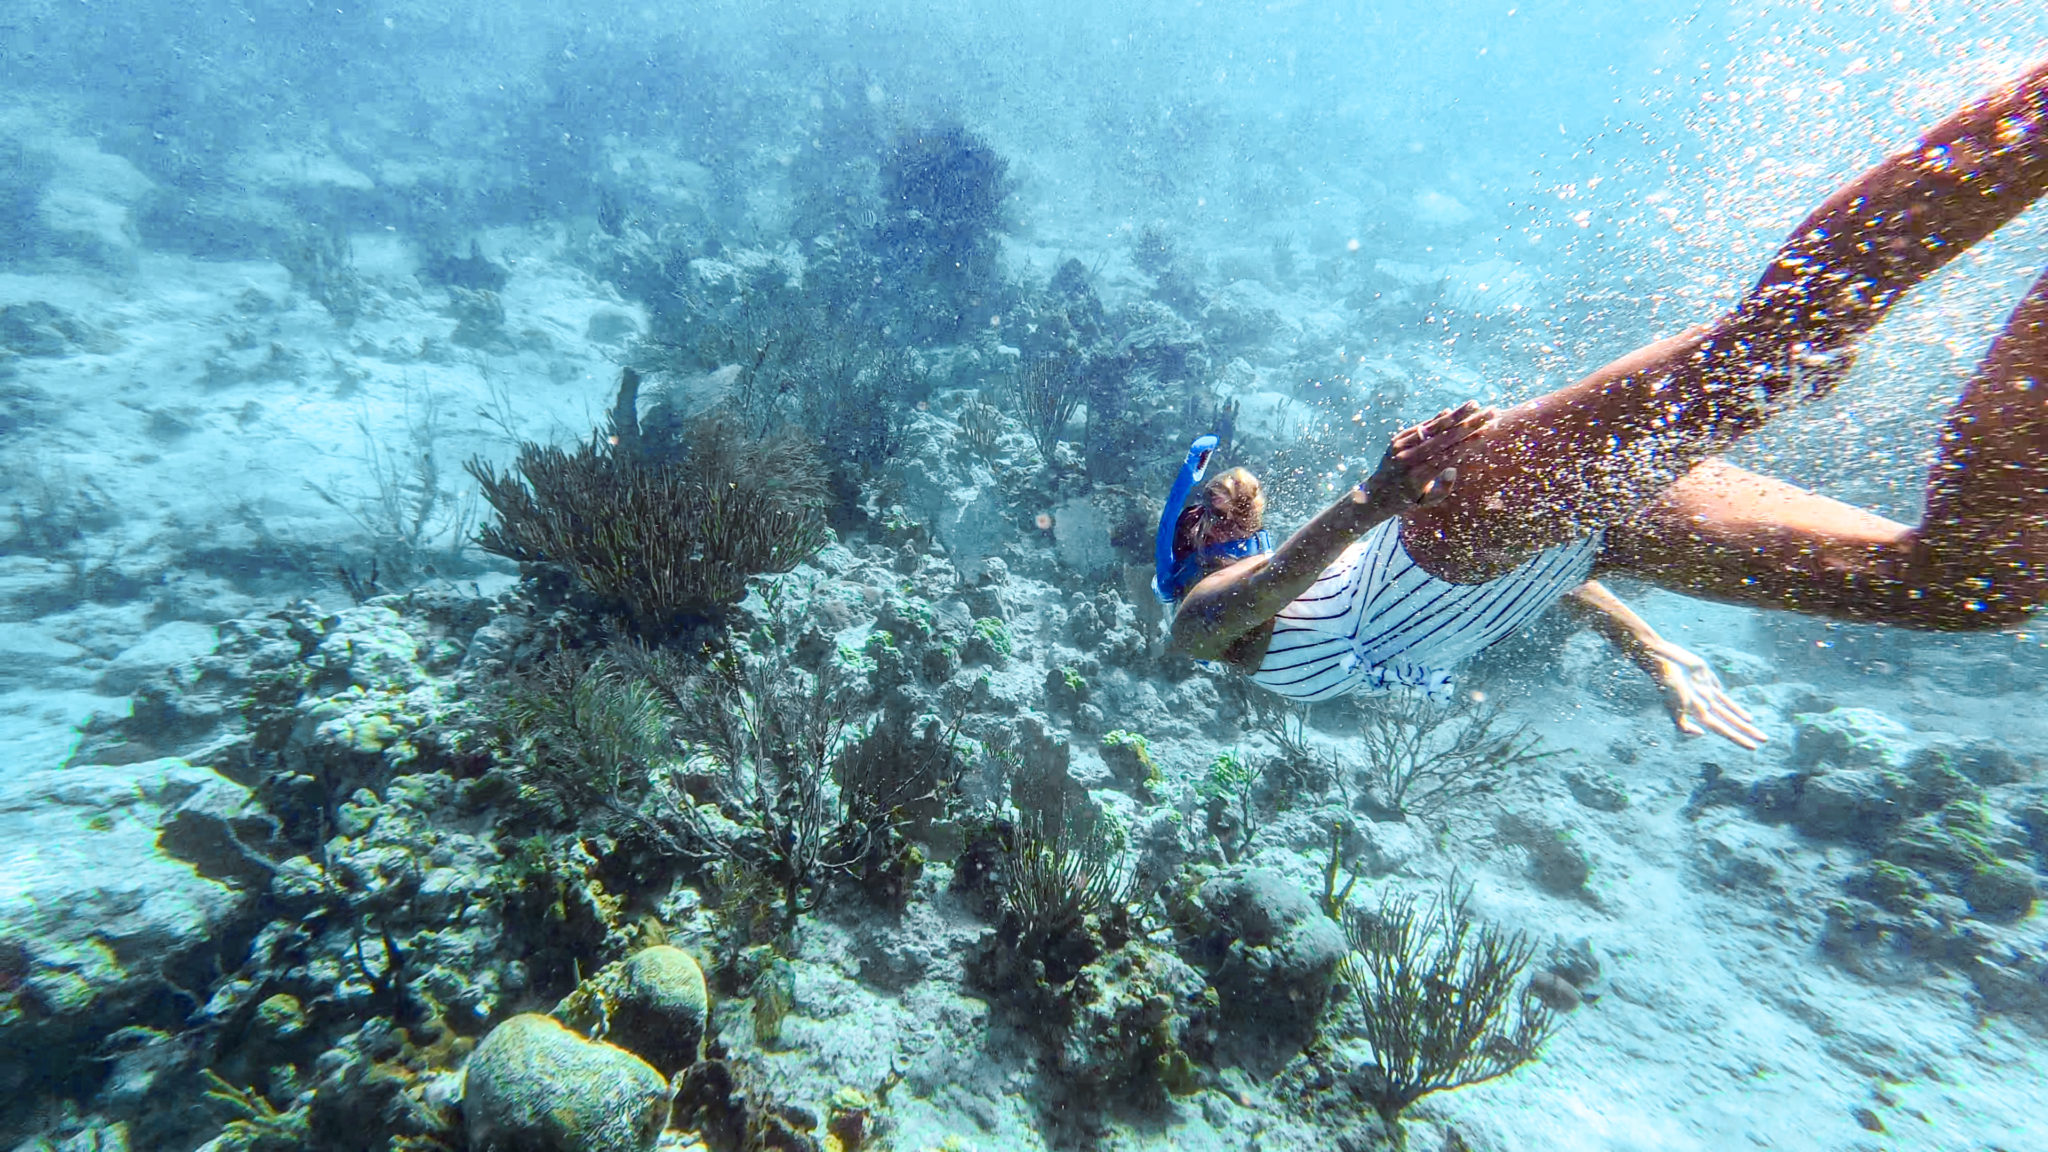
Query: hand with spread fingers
(1695, 698)
(1415, 472)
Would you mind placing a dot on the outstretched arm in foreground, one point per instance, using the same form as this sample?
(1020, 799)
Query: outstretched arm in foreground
(1692, 693)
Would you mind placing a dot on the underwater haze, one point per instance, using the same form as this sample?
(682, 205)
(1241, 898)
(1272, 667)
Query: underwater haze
(582, 577)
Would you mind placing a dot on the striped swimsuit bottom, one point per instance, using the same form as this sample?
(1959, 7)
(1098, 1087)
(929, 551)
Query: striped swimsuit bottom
(1375, 620)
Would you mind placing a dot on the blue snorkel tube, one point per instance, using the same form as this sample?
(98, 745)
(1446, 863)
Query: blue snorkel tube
(1166, 583)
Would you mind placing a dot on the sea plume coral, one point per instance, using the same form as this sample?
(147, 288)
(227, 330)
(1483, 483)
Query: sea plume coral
(1443, 1001)
(661, 533)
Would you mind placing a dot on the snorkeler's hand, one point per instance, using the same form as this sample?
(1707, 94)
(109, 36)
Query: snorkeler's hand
(1694, 696)
(1416, 471)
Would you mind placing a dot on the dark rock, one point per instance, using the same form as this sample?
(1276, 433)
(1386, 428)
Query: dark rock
(2016, 983)
(39, 329)
(1555, 991)
(1270, 953)
(1983, 762)
(1557, 861)
(1776, 798)
(1849, 737)
(1936, 779)
(1935, 844)
(1889, 886)
(1602, 792)
(2032, 815)
(1867, 940)
(1859, 804)
(1943, 930)
(475, 272)
(2001, 891)
(1575, 962)
(1736, 854)
(1717, 787)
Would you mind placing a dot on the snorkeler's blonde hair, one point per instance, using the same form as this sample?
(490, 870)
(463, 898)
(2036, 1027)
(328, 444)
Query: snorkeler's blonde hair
(1237, 500)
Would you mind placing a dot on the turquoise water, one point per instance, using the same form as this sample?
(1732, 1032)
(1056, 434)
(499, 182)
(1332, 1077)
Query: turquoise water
(505, 515)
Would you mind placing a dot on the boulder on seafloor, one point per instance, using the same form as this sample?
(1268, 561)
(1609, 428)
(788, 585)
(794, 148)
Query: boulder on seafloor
(160, 648)
(1849, 738)
(534, 1086)
(1600, 791)
(1557, 860)
(1859, 804)
(1271, 954)
(2002, 891)
(97, 912)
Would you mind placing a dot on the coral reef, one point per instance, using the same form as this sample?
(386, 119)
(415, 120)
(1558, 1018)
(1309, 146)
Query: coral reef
(825, 756)
(1942, 832)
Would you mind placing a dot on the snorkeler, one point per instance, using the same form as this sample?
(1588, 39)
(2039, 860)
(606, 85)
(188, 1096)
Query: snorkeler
(1477, 520)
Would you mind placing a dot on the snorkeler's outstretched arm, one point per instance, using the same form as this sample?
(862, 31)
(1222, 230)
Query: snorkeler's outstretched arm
(1233, 601)
(1692, 692)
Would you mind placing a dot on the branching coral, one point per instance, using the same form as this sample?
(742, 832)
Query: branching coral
(893, 783)
(257, 1125)
(768, 776)
(1230, 790)
(413, 520)
(1423, 757)
(586, 734)
(765, 735)
(1058, 871)
(1444, 1005)
(780, 353)
(1045, 392)
(661, 533)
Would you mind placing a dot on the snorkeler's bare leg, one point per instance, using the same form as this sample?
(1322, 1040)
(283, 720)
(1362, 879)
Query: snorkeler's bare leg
(1978, 560)
(1725, 533)
(1985, 529)
(1597, 452)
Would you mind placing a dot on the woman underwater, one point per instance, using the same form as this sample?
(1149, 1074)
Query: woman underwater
(1477, 520)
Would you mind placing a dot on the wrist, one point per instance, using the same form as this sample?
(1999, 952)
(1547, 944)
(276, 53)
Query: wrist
(1652, 653)
(1377, 496)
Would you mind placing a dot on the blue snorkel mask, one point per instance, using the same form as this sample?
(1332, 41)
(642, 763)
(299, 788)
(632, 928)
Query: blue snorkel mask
(1170, 581)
